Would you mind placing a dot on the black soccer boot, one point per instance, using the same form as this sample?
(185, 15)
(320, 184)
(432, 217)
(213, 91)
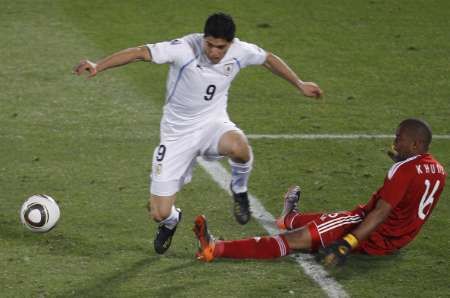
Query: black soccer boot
(241, 208)
(163, 237)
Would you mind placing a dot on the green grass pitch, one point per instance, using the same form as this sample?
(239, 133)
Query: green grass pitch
(88, 143)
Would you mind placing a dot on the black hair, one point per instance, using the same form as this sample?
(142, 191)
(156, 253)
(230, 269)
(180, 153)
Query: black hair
(220, 25)
(419, 130)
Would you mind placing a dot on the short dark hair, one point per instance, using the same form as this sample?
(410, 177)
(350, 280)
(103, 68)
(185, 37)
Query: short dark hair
(419, 130)
(220, 25)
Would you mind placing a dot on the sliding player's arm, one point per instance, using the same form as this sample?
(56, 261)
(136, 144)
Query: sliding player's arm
(372, 220)
(337, 252)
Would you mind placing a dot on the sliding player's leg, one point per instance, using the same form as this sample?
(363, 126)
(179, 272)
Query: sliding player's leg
(317, 233)
(291, 217)
(265, 247)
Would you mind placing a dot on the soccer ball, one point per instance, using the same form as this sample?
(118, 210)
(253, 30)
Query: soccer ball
(39, 213)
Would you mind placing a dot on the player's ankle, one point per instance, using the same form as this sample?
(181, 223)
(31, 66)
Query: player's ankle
(280, 223)
(218, 249)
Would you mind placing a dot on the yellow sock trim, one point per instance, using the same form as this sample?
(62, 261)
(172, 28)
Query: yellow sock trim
(352, 240)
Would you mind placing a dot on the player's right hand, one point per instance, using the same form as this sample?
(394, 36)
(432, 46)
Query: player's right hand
(86, 65)
(334, 254)
(337, 252)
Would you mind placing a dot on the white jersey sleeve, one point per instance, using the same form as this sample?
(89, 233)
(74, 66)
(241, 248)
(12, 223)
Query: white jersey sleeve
(251, 54)
(172, 52)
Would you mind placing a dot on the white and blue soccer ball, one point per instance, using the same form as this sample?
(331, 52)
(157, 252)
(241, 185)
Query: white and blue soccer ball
(39, 213)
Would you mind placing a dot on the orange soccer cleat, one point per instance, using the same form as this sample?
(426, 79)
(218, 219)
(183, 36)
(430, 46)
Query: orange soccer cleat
(205, 239)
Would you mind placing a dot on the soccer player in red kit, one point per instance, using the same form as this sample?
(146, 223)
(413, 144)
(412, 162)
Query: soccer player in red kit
(389, 221)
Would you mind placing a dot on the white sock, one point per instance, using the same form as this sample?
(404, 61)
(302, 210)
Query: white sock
(172, 220)
(240, 172)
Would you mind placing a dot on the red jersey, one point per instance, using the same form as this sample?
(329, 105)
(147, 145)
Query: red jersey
(412, 187)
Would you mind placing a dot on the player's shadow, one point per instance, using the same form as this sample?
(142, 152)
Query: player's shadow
(105, 287)
(60, 243)
(107, 284)
(358, 265)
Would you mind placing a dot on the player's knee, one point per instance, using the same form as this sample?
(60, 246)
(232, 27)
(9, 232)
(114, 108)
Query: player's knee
(240, 151)
(299, 239)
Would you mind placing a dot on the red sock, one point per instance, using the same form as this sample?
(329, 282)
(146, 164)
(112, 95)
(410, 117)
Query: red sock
(295, 219)
(268, 247)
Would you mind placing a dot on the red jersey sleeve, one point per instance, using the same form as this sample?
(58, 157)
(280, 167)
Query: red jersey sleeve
(396, 183)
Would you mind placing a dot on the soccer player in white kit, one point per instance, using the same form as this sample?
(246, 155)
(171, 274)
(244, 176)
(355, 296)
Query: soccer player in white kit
(195, 120)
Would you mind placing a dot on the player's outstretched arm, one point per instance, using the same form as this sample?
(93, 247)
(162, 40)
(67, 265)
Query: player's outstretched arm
(276, 65)
(123, 57)
(337, 252)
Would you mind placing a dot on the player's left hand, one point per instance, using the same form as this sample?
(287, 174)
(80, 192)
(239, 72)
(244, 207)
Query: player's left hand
(85, 66)
(334, 254)
(311, 89)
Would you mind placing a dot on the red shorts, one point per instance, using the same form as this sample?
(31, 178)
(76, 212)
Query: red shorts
(332, 226)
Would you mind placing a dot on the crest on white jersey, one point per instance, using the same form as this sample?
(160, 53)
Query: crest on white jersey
(228, 68)
(158, 169)
(175, 42)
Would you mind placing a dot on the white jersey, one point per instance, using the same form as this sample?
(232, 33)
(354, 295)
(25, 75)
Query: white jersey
(196, 89)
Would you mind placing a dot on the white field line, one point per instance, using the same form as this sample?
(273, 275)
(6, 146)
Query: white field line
(306, 261)
(331, 136)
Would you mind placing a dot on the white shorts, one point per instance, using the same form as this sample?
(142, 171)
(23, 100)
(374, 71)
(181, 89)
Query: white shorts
(175, 158)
